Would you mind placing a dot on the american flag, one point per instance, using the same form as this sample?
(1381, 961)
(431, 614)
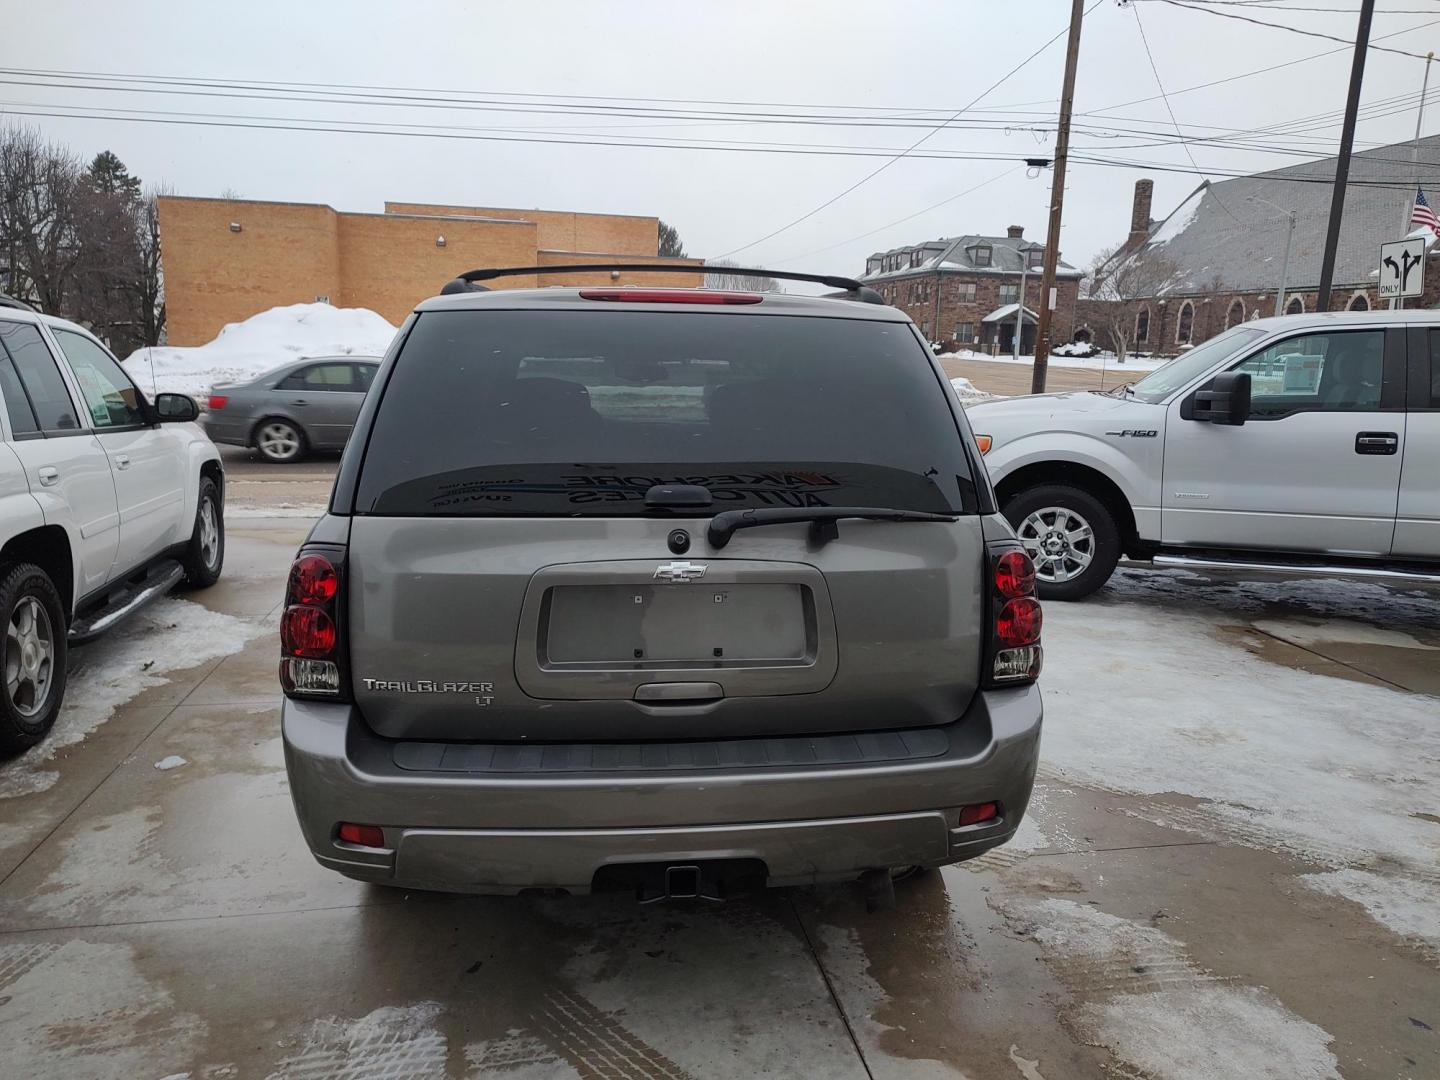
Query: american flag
(1422, 215)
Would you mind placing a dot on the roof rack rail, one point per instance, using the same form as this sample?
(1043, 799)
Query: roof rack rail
(11, 302)
(852, 289)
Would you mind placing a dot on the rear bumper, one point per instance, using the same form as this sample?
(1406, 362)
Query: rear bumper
(496, 831)
(229, 430)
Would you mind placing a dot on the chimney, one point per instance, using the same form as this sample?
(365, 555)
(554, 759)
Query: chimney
(1140, 212)
(1015, 232)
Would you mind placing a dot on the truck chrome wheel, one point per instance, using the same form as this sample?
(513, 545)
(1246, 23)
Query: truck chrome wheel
(1059, 541)
(29, 656)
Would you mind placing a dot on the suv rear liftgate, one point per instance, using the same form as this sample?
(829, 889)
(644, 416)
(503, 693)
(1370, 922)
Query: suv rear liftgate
(635, 578)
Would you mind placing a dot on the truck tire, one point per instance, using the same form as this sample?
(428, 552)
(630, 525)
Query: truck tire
(1071, 536)
(33, 652)
(205, 556)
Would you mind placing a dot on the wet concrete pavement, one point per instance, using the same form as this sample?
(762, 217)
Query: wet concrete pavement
(169, 922)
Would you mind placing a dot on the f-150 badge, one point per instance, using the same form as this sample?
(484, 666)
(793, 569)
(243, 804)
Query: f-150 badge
(1138, 433)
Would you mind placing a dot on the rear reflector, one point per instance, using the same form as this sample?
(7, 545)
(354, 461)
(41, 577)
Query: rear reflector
(974, 815)
(670, 296)
(217, 401)
(364, 835)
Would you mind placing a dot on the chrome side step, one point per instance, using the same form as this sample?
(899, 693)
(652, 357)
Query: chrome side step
(1192, 562)
(159, 580)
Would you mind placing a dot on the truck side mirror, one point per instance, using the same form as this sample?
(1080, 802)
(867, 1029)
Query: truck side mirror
(1224, 400)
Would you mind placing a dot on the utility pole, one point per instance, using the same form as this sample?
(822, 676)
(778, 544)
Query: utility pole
(1285, 266)
(1342, 163)
(1399, 301)
(1057, 198)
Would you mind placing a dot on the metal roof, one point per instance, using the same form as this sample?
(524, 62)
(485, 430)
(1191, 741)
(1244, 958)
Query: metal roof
(1223, 237)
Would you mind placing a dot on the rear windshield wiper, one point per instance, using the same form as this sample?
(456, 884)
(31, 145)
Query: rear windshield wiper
(822, 518)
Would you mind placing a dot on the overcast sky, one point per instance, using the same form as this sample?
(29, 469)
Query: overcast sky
(908, 63)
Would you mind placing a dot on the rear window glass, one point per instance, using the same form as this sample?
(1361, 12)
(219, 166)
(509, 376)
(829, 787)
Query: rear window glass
(580, 413)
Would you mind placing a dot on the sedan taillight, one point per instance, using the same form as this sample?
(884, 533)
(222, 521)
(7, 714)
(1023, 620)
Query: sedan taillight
(1015, 655)
(311, 649)
(217, 402)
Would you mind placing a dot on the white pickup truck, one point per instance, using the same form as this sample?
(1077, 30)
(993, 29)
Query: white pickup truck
(107, 501)
(1303, 443)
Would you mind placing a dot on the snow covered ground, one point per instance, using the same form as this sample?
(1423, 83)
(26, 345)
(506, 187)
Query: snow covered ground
(1340, 773)
(169, 635)
(1093, 363)
(264, 341)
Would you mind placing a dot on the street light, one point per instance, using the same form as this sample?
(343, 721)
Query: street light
(1289, 238)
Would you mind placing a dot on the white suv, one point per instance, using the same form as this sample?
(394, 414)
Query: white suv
(106, 502)
(1307, 442)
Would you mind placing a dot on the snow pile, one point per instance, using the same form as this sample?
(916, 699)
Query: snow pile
(246, 349)
(1094, 362)
(969, 393)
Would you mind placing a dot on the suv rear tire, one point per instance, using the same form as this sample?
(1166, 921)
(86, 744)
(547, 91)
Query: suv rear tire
(205, 556)
(1071, 536)
(33, 653)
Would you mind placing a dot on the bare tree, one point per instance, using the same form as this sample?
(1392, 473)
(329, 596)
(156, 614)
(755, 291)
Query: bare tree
(671, 246)
(1119, 280)
(82, 243)
(40, 187)
(724, 278)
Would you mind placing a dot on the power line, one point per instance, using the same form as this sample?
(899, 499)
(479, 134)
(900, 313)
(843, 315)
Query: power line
(1262, 71)
(870, 176)
(907, 217)
(1273, 6)
(1281, 26)
(1161, 87)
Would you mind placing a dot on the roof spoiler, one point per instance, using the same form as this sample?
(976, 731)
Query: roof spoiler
(852, 289)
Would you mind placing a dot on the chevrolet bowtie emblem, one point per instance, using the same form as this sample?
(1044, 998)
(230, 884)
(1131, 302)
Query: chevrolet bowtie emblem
(678, 573)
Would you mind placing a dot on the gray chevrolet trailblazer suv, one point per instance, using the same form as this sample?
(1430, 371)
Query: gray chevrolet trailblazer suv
(672, 590)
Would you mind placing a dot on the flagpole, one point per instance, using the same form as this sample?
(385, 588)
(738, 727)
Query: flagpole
(1399, 301)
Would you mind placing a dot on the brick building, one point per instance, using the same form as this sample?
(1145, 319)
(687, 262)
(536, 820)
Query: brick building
(1219, 255)
(226, 259)
(962, 291)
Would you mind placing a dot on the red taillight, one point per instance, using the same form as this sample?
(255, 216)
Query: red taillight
(974, 815)
(364, 835)
(217, 401)
(1014, 655)
(313, 580)
(1015, 575)
(1019, 622)
(670, 296)
(312, 660)
(307, 631)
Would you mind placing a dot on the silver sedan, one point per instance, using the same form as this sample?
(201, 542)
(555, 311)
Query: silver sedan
(306, 405)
